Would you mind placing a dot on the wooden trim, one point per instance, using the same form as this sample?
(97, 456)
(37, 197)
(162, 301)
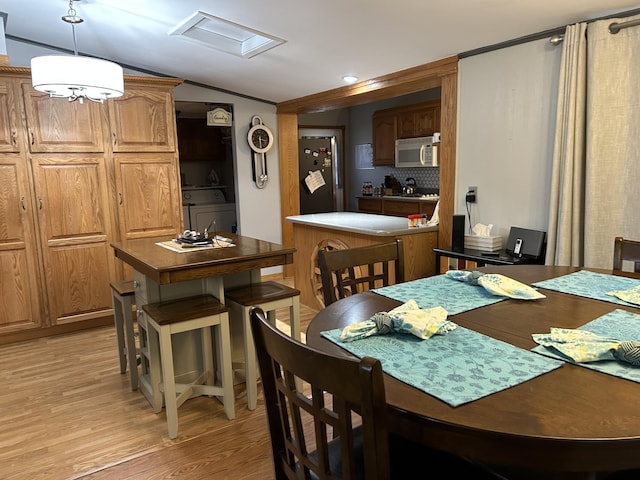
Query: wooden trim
(443, 74)
(9, 338)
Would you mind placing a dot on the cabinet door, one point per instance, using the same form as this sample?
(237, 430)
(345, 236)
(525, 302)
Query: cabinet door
(384, 139)
(427, 121)
(72, 202)
(9, 119)
(400, 208)
(57, 125)
(143, 120)
(148, 195)
(20, 279)
(370, 205)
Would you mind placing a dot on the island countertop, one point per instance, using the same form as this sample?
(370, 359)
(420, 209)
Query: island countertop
(364, 223)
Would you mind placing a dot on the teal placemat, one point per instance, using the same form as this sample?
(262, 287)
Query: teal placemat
(452, 295)
(458, 367)
(620, 325)
(590, 285)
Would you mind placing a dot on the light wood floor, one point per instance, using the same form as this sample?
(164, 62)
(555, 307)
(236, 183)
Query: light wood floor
(66, 412)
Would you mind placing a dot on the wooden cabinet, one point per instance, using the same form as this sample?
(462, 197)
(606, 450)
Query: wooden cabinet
(419, 120)
(20, 279)
(370, 205)
(75, 178)
(143, 119)
(199, 142)
(384, 138)
(395, 207)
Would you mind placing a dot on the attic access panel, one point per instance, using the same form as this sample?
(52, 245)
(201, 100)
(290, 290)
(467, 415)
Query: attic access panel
(225, 36)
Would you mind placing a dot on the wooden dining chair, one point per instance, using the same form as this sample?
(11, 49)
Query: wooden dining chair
(348, 271)
(336, 427)
(626, 250)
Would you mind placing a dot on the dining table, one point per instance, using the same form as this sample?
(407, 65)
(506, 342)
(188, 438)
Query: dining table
(570, 422)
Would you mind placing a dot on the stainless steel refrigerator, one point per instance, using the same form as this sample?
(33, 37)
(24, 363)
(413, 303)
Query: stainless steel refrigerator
(317, 170)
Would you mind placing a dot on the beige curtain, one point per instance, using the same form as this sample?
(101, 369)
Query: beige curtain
(612, 193)
(565, 233)
(595, 193)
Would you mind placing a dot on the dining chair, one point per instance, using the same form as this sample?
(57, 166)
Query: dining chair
(336, 426)
(626, 250)
(348, 271)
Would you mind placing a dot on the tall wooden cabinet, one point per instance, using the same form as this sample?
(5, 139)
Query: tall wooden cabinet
(69, 195)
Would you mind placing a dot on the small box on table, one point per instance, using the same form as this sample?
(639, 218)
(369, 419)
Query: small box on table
(486, 244)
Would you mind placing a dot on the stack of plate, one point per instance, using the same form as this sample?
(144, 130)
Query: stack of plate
(486, 244)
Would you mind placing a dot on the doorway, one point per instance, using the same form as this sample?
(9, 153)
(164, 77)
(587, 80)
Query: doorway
(325, 137)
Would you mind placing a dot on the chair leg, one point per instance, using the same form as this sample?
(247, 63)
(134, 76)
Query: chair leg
(250, 363)
(169, 381)
(130, 343)
(223, 352)
(118, 321)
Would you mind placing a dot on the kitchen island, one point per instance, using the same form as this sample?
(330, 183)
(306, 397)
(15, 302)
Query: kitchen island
(337, 230)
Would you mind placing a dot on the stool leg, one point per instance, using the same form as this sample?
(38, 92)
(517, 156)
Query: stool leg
(223, 350)
(130, 341)
(250, 364)
(169, 381)
(208, 364)
(118, 309)
(155, 369)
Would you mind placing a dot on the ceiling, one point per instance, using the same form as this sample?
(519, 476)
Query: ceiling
(323, 40)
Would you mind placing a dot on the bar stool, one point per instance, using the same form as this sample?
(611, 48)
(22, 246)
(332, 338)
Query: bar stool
(123, 298)
(187, 314)
(269, 296)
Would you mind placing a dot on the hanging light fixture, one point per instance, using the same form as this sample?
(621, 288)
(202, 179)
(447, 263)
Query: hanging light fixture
(75, 77)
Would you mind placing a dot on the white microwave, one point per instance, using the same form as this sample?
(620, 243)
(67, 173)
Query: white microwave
(416, 152)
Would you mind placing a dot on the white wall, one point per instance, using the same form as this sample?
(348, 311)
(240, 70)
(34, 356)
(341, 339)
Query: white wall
(506, 120)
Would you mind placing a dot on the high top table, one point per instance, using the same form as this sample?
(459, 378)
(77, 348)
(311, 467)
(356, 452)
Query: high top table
(568, 423)
(161, 274)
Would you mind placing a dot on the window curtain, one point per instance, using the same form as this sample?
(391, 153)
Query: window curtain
(595, 195)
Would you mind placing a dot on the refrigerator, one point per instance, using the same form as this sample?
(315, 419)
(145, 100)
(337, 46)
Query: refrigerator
(318, 174)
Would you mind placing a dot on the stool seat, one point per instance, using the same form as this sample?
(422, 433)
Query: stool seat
(123, 298)
(269, 296)
(200, 312)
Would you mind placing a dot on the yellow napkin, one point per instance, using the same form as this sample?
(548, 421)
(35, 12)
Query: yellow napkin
(497, 284)
(407, 318)
(582, 346)
(631, 295)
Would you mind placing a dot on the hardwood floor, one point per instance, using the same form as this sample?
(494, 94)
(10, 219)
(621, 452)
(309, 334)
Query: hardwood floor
(67, 413)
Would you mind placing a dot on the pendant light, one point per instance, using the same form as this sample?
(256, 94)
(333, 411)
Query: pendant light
(75, 77)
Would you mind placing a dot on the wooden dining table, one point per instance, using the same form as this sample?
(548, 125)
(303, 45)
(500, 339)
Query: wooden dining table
(571, 422)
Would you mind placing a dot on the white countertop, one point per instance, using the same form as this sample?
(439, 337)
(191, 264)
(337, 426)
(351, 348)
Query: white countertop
(366, 223)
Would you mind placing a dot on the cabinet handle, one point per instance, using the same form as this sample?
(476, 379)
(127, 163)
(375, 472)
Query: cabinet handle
(24, 207)
(120, 195)
(33, 138)
(40, 202)
(136, 284)
(14, 136)
(115, 139)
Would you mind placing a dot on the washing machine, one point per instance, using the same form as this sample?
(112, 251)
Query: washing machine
(206, 208)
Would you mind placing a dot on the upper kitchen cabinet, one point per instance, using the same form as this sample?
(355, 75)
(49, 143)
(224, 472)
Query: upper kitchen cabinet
(9, 118)
(384, 124)
(199, 142)
(421, 120)
(61, 126)
(143, 119)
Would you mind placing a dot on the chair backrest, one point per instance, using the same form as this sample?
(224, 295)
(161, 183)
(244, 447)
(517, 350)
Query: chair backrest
(626, 250)
(353, 270)
(341, 398)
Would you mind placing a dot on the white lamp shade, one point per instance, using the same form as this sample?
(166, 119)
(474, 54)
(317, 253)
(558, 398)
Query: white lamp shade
(74, 76)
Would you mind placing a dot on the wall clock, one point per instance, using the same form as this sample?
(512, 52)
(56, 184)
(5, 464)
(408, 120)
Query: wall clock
(260, 140)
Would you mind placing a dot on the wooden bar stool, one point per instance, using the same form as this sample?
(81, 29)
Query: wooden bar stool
(123, 297)
(194, 313)
(269, 296)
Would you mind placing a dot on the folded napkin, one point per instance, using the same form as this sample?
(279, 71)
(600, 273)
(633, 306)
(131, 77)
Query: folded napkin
(582, 346)
(497, 284)
(407, 318)
(631, 295)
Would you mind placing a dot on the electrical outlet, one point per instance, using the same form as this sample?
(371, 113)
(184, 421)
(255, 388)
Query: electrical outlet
(472, 194)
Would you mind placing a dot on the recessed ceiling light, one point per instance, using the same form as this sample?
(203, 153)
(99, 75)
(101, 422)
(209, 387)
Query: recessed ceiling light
(226, 36)
(350, 78)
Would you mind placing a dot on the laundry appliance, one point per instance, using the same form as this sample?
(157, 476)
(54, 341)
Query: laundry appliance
(206, 208)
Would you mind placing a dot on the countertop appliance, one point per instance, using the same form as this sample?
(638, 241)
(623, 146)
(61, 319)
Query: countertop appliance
(416, 152)
(204, 207)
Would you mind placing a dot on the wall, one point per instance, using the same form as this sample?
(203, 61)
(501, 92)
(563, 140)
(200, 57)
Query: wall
(506, 122)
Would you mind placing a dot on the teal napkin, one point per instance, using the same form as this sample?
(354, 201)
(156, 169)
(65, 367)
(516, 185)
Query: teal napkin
(497, 284)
